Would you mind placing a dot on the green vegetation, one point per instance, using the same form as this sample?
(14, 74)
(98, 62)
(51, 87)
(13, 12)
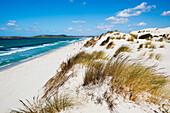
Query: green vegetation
(54, 104)
(145, 36)
(135, 76)
(59, 79)
(123, 48)
(140, 46)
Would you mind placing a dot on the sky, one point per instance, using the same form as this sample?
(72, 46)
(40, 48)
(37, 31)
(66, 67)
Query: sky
(80, 17)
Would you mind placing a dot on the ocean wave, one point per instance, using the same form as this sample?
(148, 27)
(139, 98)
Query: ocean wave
(15, 50)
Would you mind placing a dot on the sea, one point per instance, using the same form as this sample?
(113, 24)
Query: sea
(14, 51)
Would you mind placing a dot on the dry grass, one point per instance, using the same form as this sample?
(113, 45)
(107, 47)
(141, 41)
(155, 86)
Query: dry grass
(123, 48)
(125, 74)
(110, 45)
(54, 104)
(158, 57)
(130, 39)
(91, 42)
(152, 46)
(151, 55)
(134, 36)
(59, 79)
(105, 42)
(162, 46)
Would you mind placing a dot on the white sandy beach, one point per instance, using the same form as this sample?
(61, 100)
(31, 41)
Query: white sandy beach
(26, 80)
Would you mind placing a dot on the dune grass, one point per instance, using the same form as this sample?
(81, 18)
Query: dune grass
(126, 74)
(53, 104)
(134, 36)
(123, 48)
(162, 46)
(158, 57)
(110, 45)
(91, 42)
(105, 41)
(59, 79)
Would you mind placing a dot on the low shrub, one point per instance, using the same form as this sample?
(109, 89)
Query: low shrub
(145, 36)
(140, 46)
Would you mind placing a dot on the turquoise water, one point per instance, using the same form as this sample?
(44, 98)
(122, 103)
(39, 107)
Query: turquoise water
(15, 50)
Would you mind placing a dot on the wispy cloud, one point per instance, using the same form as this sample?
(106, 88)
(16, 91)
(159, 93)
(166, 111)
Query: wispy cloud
(104, 27)
(166, 13)
(3, 28)
(12, 23)
(17, 28)
(33, 29)
(136, 11)
(115, 20)
(78, 22)
(138, 24)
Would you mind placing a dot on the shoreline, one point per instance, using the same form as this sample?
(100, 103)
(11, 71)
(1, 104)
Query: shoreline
(26, 80)
(10, 65)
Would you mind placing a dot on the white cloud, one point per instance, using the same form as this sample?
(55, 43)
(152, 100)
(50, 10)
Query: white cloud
(136, 11)
(71, 0)
(70, 28)
(3, 28)
(17, 28)
(166, 13)
(12, 23)
(33, 29)
(78, 21)
(138, 24)
(115, 20)
(104, 27)
(84, 3)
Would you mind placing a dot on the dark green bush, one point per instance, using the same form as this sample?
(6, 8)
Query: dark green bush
(145, 36)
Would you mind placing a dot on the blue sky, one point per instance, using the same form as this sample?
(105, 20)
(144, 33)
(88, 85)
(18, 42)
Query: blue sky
(80, 17)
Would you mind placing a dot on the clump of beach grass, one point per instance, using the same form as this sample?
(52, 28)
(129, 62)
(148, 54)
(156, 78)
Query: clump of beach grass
(130, 39)
(162, 46)
(152, 46)
(54, 104)
(158, 56)
(125, 74)
(91, 42)
(123, 48)
(105, 42)
(110, 45)
(60, 78)
(134, 36)
(151, 55)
